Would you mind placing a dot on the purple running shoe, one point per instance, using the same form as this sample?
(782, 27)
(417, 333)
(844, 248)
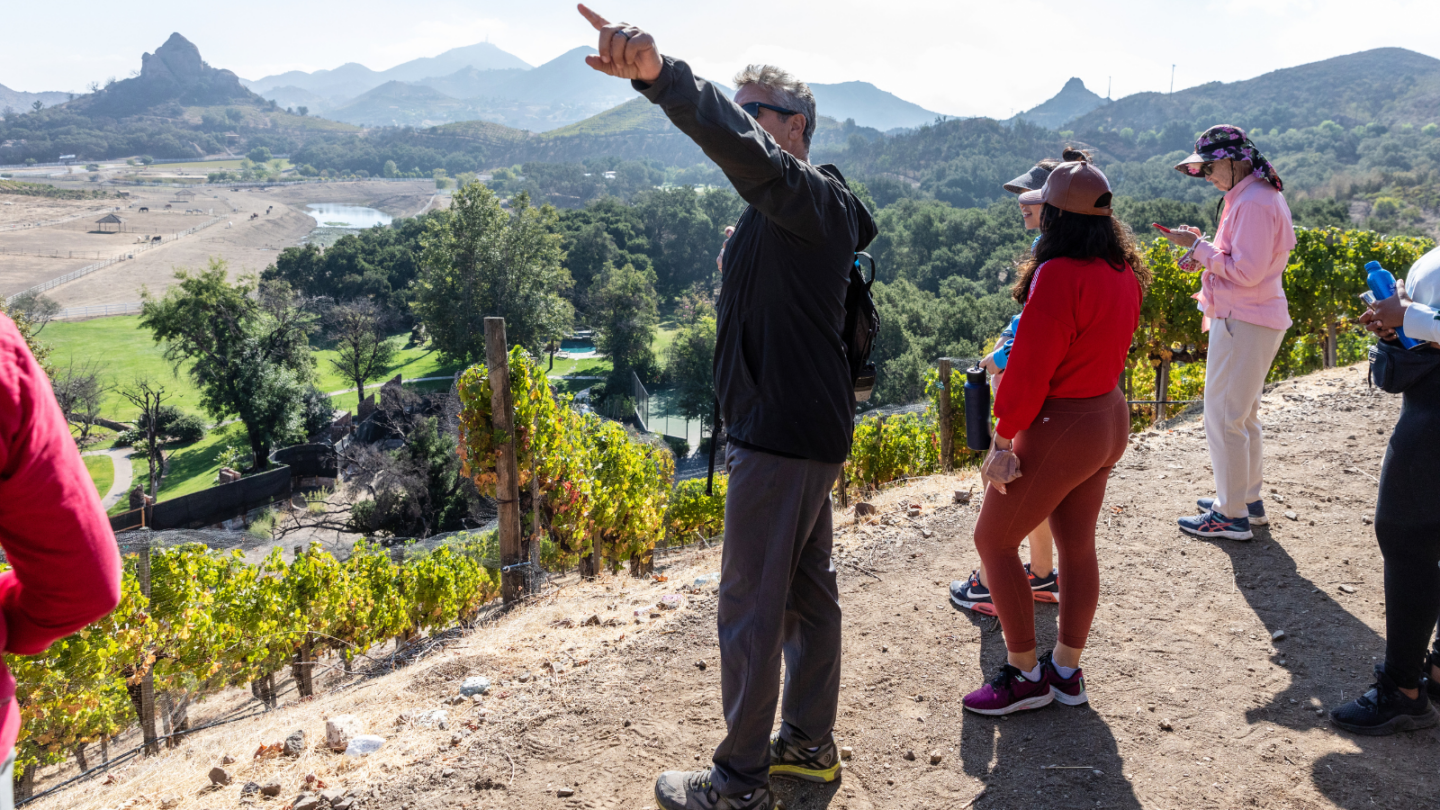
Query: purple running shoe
(1070, 691)
(1010, 691)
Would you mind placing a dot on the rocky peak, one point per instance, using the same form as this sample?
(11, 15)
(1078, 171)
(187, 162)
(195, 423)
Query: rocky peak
(1073, 100)
(178, 60)
(173, 75)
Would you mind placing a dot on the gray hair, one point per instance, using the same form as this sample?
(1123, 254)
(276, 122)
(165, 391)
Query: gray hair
(785, 90)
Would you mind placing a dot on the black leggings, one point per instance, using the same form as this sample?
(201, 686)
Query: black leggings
(1407, 524)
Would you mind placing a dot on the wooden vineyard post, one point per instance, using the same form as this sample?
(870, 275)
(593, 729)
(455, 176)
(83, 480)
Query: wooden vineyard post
(507, 487)
(947, 437)
(147, 684)
(1162, 390)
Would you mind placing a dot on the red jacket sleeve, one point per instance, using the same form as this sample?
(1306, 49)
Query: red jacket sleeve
(65, 567)
(1047, 328)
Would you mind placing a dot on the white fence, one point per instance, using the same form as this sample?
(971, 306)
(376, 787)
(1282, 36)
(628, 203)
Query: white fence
(88, 269)
(98, 311)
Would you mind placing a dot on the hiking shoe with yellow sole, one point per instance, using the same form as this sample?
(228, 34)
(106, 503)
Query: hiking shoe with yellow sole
(789, 759)
(693, 790)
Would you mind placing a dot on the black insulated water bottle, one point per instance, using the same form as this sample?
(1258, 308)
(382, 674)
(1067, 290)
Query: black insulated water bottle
(977, 409)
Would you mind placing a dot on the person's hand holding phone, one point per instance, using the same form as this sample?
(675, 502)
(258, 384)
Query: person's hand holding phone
(1383, 317)
(1183, 235)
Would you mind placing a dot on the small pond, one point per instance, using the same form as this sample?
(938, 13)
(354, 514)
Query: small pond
(341, 215)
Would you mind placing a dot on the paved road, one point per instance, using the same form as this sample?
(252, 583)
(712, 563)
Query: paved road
(120, 456)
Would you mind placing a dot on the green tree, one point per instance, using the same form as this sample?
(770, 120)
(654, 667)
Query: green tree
(479, 260)
(417, 489)
(363, 350)
(302, 111)
(626, 302)
(246, 346)
(682, 239)
(259, 154)
(690, 368)
(390, 170)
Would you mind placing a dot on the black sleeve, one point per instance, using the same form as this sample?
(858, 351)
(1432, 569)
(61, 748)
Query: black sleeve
(788, 191)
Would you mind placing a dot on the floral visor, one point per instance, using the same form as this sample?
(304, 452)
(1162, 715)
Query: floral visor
(1225, 141)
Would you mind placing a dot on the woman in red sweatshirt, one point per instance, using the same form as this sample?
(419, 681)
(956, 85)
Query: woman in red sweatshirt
(1062, 424)
(64, 566)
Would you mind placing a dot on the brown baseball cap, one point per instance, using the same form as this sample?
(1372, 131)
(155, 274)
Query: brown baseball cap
(1077, 187)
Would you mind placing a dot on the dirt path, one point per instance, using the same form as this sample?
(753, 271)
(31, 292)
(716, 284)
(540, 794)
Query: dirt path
(1182, 639)
(120, 457)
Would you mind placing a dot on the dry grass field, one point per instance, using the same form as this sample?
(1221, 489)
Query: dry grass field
(28, 256)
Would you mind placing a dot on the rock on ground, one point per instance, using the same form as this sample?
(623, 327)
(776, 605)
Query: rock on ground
(339, 731)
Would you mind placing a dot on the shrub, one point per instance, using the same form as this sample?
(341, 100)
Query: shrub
(186, 428)
(680, 447)
(692, 511)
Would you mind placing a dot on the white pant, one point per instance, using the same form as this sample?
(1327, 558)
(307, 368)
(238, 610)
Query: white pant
(1239, 359)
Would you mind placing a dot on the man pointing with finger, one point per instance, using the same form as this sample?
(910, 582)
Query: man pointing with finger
(787, 398)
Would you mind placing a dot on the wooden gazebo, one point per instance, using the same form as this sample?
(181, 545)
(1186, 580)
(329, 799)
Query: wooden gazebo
(109, 221)
(187, 194)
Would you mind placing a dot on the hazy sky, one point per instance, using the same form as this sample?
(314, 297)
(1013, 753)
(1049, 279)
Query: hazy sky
(959, 58)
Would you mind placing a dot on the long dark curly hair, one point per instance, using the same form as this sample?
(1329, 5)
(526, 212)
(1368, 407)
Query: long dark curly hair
(1081, 236)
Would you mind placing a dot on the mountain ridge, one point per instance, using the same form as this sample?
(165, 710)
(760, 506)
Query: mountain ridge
(1073, 101)
(481, 55)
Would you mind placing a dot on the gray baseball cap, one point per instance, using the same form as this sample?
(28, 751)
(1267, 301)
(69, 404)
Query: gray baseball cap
(1032, 180)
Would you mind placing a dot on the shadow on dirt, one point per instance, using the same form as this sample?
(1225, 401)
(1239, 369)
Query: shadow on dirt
(1059, 756)
(1329, 655)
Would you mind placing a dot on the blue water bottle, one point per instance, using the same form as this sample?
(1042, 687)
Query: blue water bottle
(977, 409)
(1382, 285)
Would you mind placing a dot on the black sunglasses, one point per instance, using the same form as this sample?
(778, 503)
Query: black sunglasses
(754, 107)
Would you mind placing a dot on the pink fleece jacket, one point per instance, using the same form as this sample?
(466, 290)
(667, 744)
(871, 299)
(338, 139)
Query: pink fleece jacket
(1244, 265)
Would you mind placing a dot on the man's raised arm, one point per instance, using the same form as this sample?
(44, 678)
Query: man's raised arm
(784, 188)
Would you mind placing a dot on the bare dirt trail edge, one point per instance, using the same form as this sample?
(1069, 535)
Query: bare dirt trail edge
(1192, 703)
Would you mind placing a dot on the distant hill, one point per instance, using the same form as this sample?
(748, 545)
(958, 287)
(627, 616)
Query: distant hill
(1073, 101)
(482, 82)
(23, 102)
(352, 79)
(177, 107)
(291, 96)
(173, 75)
(469, 82)
(869, 106)
(559, 92)
(401, 104)
(1385, 85)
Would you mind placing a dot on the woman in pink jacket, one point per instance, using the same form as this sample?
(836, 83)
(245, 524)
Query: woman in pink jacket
(1246, 315)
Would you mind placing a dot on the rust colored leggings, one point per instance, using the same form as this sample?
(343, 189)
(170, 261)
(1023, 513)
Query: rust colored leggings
(1065, 459)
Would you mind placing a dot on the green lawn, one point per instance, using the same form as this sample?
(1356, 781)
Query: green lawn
(192, 468)
(664, 336)
(125, 351)
(102, 472)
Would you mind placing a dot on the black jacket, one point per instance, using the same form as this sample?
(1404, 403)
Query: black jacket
(780, 369)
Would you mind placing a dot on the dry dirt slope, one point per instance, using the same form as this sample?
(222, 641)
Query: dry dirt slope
(1182, 639)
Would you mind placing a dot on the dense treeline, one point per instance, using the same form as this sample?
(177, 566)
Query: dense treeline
(45, 135)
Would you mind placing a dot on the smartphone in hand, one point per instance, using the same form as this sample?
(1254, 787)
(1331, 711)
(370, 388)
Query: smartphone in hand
(1157, 226)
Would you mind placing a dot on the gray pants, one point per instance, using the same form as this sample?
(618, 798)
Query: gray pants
(7, 783)
(777, 594)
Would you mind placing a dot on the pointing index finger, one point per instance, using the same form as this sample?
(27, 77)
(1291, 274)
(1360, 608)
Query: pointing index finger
(595, 19)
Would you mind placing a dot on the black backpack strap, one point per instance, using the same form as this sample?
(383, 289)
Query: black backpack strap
(869, 258)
